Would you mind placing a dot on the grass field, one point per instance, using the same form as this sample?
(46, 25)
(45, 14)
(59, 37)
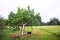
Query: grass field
(39, 33)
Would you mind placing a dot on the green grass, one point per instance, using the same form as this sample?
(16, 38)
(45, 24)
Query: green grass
(39, 33)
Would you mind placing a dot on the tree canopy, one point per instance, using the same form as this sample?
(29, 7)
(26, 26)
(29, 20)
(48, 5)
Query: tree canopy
(24, 16)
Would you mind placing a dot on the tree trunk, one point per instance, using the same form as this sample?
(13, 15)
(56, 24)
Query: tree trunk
(23, 26)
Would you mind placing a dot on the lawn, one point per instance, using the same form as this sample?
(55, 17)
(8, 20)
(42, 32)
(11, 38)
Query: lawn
(39, 33)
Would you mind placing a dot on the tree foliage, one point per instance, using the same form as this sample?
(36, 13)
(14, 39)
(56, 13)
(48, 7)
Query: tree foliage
(23, 16)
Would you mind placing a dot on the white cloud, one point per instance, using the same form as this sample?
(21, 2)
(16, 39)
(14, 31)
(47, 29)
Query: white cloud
(47, 8)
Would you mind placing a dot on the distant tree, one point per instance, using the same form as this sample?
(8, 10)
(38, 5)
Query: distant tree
(12, 21)
(6, 22)
(2, 24)
(2, 28)
(43, 24)
(38, 19)
(11, 17)
(54, 21)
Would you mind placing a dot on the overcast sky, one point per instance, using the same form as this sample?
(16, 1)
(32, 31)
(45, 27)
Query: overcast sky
(47, 8)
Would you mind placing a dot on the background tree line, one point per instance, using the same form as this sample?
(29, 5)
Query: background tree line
(53, 21)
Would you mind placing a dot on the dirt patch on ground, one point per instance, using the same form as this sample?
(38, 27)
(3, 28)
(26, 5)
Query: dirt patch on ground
(36, 31)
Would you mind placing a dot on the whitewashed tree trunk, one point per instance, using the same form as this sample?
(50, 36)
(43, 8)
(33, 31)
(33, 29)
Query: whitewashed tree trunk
(23, 26)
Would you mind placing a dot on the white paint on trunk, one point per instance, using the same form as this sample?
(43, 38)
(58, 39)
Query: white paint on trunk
(23, 28)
